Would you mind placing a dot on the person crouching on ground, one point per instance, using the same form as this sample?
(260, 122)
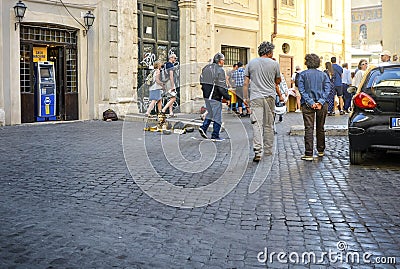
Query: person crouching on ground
(314, 87)
(213, 84)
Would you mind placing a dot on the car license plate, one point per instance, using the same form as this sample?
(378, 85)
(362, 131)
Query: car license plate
(395, 123)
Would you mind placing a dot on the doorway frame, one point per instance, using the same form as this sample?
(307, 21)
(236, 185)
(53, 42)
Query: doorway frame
(50, 35)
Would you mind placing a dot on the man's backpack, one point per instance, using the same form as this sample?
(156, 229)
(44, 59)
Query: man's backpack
(208, 74)
(296, 79)
(149, 81)
(110, 114)
(164, 73)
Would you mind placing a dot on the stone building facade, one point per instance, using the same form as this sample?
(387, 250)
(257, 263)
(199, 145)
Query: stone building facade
(390, 26)
(104, 67)
(366, 30)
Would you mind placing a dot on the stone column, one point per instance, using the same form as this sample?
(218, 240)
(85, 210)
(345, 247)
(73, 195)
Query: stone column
(123, 58)
(195, 43)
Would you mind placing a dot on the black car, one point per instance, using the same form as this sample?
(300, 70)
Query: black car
(374, 123)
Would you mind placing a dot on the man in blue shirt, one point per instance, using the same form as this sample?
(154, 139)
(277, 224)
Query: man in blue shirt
(172, 84)
(346, 82)
(338, 83)
(314, 87)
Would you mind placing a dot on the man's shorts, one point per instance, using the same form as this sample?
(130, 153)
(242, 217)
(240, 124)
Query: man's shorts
(339, 91)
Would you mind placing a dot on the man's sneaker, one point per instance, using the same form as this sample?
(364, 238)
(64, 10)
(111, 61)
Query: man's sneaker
(203, 133)
(219, 139)
(257, 158)
(307, 158)
(321, 154)
(341, 112)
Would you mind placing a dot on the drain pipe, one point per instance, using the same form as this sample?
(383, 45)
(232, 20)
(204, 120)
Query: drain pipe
(273, 35)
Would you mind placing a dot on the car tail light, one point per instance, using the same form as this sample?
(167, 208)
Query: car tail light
(363, 100)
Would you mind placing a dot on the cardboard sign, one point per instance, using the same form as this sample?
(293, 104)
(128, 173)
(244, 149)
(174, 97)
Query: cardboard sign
(283, 86)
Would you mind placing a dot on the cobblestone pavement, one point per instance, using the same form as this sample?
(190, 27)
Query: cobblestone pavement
(68, 201)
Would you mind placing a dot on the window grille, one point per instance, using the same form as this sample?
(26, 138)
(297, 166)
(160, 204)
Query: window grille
(234, 54)
(25, 69)
(72, 82)
(50, 34)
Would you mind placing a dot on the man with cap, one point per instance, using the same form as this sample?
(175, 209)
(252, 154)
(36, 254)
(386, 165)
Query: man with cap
(172, 85)
(385, 56)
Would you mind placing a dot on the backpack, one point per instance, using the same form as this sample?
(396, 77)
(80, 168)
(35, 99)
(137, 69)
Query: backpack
(149, 81)
(164, 73)
(296, 79)
(110, 114)
(208, 74)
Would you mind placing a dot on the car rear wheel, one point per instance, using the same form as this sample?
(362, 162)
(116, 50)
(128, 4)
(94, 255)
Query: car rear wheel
(356, 156)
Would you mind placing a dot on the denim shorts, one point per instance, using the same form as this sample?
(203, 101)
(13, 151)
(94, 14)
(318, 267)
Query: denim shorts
(155, 95)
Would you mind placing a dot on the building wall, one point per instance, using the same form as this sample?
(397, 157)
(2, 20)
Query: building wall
(371, 16)
(108, 54)
(390, 26)
(244, 23)
(118, 87)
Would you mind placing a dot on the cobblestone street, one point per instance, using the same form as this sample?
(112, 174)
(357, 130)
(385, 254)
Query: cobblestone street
(68, 200)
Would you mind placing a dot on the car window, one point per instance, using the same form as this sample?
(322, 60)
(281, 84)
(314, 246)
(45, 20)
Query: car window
(390, 77)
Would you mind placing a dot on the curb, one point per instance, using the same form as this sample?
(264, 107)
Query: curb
(330, 130)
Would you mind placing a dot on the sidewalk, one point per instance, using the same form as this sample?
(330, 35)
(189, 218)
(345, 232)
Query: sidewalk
(335, 125)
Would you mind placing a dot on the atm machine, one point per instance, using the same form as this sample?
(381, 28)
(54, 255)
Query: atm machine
(46, 91)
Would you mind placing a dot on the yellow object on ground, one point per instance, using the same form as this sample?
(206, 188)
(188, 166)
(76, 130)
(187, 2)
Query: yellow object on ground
(232, 93)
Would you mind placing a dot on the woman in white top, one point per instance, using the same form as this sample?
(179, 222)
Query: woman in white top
(156, 89)
(362, 67)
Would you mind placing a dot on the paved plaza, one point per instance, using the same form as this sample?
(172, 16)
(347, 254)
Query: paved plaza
(88, 195)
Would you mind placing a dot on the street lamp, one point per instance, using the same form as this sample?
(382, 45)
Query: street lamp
(19, 10)
(89, 19)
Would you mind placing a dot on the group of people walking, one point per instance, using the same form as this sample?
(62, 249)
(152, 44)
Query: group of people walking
(340, 79)
(261, 76)
(257, 88)
(164, 80)
(260, 91)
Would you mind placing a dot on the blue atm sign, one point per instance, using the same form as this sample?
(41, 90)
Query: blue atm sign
(395, 123)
